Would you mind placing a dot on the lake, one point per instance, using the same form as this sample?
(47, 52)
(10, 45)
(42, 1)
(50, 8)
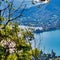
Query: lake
(48, 41)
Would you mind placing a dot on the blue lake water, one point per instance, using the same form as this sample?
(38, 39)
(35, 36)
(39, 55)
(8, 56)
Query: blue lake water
(48, 41)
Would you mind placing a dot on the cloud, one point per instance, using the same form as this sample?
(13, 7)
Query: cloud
(41, 2)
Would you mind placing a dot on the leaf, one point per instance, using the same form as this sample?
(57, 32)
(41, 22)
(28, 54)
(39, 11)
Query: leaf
(12, 57)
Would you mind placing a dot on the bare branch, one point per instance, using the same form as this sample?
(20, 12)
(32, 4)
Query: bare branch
(17, 8)
(7, 7)
(15, 17)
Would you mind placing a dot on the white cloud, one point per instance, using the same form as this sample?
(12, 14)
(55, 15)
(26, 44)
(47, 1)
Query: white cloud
(42, 2)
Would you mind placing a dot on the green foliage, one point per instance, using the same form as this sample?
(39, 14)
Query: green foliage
(58, 59)
(22, 48)
(12, 57)
(14, 41)
(1, 50)
(11, 33)
(1, 18)
(21, 37)
(35, 53)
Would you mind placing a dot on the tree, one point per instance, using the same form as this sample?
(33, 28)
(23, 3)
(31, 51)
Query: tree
(35, 53)
(14, 41)
(53, 54)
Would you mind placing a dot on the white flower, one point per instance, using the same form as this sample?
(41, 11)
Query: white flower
(12, 50)
(12, 44)
(4, 43)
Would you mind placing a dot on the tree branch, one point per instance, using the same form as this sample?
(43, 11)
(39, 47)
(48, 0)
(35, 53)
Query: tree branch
(17, 8)
(7, 8)
(15, 17)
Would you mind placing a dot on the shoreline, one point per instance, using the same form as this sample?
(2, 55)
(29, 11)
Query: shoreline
(37, 28)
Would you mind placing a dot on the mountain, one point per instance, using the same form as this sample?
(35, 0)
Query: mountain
(45, 15)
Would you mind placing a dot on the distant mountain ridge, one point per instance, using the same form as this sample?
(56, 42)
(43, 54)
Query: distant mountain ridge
(47, 15)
